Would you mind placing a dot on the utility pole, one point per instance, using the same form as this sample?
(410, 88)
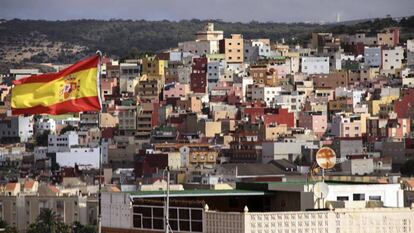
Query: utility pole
(167, 209)
(100, 149)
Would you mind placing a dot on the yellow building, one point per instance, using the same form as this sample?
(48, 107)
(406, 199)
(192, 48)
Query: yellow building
(283, 49)
(233, 48)
(369, 74)
(203, 157)
(375, 105)
(152, 66)
(389, 37)
(210, 128)
(272, 132)
(149, 87)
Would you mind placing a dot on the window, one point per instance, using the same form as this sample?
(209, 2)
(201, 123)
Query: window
(342, 198)
(375, 198)
(358, 197)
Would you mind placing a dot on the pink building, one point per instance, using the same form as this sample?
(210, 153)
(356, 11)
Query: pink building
(108, 85)
(281, 70)
(226, 92)
(316, 121)
(176, 90)
(346, 126)
(398, 128)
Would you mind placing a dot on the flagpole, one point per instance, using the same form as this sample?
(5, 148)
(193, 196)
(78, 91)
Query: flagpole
(100, 147)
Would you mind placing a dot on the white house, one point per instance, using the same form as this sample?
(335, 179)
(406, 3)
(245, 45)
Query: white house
(392, 59)
(45, 124)
(85, 156)
(265, 93)
(128, 79)
(293, 101)
(16, 128)
(315, 65)
(62, 143)
(390, 194)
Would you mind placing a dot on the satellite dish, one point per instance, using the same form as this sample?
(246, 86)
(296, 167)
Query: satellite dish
(326, 158)
(320, 190)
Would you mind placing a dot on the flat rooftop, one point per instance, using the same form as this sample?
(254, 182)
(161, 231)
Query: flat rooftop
(197, 193)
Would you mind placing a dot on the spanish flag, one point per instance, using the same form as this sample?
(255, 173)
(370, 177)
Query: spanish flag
(74, 89)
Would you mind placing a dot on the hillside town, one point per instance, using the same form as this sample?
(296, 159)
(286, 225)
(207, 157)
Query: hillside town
(225, 130)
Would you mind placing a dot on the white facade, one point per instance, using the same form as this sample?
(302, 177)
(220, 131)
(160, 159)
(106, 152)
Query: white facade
(315, 65)
(294, 63)
(392, 59)
(362, 166)
(410, 45)
(129, 73)
(17, 127)
(61, 143)
(407, 77)
(43, 125)
(293, 101)
(265, 93)
(372, 220)
(116, 210)
(390, 194)
(246, 81)
(22, 73)
(84, 156)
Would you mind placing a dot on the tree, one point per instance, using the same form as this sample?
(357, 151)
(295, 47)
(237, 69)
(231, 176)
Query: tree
(7, 228)
(301, 161)
(67, 128)
(41, 140)
(407, 168)
(47, 221)
(79, 228)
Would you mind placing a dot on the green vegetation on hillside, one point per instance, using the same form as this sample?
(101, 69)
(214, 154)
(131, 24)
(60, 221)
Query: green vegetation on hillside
(127, 38)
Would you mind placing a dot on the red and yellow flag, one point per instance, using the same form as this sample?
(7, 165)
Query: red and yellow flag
(74, 89)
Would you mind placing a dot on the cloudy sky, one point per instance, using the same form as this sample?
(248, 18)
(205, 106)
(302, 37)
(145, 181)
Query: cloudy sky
(228, 10)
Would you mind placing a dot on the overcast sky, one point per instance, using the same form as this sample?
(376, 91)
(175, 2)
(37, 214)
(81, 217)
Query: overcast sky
(228, 10)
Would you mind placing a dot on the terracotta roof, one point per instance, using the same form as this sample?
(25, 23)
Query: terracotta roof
(382, 181)
(53, 188)
(29, 184)
(410, 182)
(10, 186)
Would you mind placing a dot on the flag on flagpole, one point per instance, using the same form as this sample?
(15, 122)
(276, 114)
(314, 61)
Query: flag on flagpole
(74, 89)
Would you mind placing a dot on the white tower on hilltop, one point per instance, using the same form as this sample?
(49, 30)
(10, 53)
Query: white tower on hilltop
(338, 17)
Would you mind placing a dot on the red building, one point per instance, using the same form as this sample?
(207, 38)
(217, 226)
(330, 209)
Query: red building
(198, 77)
(404, 107)
(355, 49)
(148, 164)
(269, 116)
